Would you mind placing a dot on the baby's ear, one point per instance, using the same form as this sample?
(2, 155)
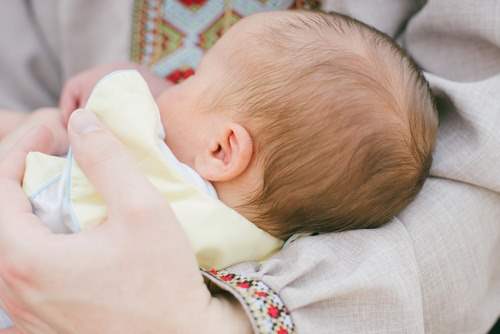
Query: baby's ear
(227, 156)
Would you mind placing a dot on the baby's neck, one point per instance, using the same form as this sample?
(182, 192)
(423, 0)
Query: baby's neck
(236, 195)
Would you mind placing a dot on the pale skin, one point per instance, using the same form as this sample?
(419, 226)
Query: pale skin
(40, 285)
(10, 120)
(95, 281)
(216, 143)
(48, 117)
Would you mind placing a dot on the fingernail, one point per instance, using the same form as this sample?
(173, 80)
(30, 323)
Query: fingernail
(83, 121)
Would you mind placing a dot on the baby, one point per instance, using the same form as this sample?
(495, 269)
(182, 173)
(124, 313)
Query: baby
(305, 123)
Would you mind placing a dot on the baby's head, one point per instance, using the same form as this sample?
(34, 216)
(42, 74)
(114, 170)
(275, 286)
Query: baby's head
(306, 122)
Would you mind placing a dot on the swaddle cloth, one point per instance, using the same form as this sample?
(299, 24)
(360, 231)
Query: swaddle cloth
(63, 198)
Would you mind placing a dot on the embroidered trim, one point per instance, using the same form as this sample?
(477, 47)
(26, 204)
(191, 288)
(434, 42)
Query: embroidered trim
(308, 4)
(147, 15)
(170, 36)
(268, 313)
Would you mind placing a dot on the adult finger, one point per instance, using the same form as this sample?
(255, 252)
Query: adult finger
(69, 99)
(18, 225)
(22, 235)
(40, 138)
(14, 204)
(108, 165)
(53, 120)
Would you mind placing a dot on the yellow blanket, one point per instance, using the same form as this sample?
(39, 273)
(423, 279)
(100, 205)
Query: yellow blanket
(63, 197)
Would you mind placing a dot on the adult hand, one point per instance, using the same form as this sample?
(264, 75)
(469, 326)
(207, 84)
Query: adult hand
(50, 118)
(77, 90)
(10, 120)
(135, 273)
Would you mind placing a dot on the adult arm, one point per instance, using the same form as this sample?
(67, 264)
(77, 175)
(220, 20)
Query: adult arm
(455, 214)
(135, 273)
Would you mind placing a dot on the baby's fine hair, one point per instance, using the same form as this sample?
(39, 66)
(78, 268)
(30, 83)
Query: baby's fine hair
(343, 121)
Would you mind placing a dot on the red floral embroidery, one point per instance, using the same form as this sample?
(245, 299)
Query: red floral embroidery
(227, 278)
(156, 36)
(178, 76)
(193, 2)
(273, 311)
(269, 313)
(243, 285)
(261, 294)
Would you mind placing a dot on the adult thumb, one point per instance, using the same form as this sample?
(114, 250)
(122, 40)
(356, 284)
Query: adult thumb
(107, 163)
